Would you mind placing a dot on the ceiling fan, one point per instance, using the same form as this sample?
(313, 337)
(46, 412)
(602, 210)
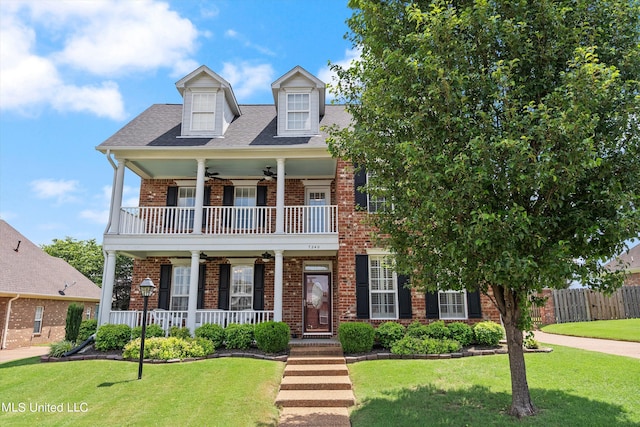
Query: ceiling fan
(269, 175)
(213, 175)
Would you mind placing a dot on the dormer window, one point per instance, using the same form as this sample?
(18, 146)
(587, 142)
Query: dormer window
(203, 112)
(298, 111)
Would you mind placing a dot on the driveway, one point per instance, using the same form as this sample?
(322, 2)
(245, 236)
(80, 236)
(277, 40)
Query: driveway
(619, 348)
(22, 353)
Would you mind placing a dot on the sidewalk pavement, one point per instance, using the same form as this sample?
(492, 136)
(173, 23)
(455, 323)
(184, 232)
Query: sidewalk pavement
(22, 353)
(618, 348)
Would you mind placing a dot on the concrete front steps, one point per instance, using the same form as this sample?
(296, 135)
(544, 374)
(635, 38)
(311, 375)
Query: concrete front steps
(316, 388)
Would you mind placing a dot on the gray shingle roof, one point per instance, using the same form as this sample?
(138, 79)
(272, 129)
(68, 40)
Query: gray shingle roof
(159, 126)
(32, 272)
(629, 261)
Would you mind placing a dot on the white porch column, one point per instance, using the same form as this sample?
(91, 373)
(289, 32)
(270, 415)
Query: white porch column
(280, 197)
(197, 217)
(193, 291)
(277, 287)
(116, 203)
(107, 287)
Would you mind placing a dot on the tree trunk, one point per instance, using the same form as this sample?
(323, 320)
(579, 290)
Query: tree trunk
(509, 305)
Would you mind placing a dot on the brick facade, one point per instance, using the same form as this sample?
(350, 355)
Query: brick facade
(21, 320)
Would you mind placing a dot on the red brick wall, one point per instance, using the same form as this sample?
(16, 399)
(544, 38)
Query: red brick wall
(632, 280)
(54, 318)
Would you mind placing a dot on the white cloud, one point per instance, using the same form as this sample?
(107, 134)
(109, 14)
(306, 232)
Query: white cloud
(233, 34)
(248, 79)
(99, 214)
(61, 190)
(329, 77)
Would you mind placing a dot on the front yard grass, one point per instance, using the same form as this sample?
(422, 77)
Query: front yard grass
(570, 387)
(216, 392)
(622, 330)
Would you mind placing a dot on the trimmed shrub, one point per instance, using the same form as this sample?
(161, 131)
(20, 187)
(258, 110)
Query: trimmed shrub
(417, 330)
(388, 333)
(153, 330)
(238, 336)
(59, 348)
(530, 341)
(212, 332)
(112, 337)
(161, 348)
(178, 332)
(74, 319)
(356, 337)
(272, 337)
(87, 328)
(411, 345)
(461, 332)
(488, 333)
(438, 330)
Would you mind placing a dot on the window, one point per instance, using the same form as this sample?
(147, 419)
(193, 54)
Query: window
(245, 197)
(383, 285)
(202, 111)
(186, 199)
(452, 304)
(180, 288)
(375, 203)
(37, 322)
(241, 292)
(298, 111)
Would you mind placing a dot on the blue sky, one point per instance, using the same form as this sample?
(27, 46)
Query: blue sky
(74, 72)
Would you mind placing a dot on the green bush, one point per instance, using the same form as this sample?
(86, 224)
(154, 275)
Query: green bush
(112, 337)
(238, 336)
(438, 330)
(411, 345)
(272, 337)
(153, 330)
(530, 341)
(74, 319)
(417, 330)
(461, 332)
(356, 337)
(488, 333)
(87, 328)
(388, 333)
(59, 348)
(178, 332)
(161, 348)
(212, 332)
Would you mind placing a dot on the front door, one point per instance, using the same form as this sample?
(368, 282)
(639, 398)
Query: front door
(317, 303)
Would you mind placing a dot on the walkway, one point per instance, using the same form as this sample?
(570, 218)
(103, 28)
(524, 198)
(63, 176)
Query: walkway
(22, 353)
(618, 348)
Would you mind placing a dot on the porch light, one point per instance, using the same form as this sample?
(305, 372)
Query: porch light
(266, 257)
(146, 290)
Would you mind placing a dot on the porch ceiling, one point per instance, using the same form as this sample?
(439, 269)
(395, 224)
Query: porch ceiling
(225, 254)
(232, 168)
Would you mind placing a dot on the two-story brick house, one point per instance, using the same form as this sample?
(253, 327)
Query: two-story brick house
(245, 216)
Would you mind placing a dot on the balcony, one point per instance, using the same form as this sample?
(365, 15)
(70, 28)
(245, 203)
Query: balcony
(228, 220)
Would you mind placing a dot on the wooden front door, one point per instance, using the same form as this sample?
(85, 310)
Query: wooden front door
(317, 303)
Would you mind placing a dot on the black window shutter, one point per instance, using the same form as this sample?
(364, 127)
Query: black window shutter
(258, 287)
(261, 195)
(202, 280)
(223, 286)
(172, 196)
(473, 305)
(431, 303)
(206, 201)
(359, 180)
(404, 298)
(228, 195)
(164, 292)
(362, 286)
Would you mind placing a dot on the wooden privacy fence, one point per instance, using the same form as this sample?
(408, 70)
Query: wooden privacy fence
(580, 305)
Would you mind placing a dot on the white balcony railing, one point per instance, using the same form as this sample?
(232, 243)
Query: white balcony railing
(168, 318)
(229, 220)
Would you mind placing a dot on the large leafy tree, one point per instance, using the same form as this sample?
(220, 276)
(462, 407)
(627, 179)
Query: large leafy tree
(86, 256)
(504, 136)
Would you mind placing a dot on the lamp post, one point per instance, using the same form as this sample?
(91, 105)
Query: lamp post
(146, 289)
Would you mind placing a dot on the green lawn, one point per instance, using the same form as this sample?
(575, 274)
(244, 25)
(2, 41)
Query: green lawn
(623, 330)
(570, 387)
(216, 392)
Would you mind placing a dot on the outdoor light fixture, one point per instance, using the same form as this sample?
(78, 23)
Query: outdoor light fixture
(266, 257)
(146, 290)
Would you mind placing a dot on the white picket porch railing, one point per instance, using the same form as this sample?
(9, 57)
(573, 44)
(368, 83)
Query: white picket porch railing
(168, 318)
(229, 220)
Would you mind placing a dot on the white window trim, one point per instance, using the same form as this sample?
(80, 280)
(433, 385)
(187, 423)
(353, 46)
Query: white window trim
(173, 284)
(36, 319)
(384, 257)
(194, 111)
(465, 306)
(308, 111)
(243, 264)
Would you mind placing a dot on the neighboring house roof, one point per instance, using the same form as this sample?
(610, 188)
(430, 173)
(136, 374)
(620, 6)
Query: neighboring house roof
(629, 261)
(31, 272)
(159, 126)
